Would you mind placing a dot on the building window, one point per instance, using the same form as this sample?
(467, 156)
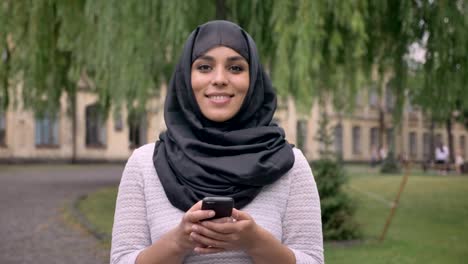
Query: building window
(338, 140)
(118, 122)
(95, 127)
(356, 140)
(426, 146)
(374, 138)
(137, 130)
(413, 145)
(2, 129)
(46, 130)
(301, 134)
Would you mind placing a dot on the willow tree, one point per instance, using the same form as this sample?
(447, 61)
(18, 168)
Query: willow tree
(443, 90)
(391, 29)
(129, 48)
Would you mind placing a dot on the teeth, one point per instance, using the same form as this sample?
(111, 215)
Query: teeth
(219, 97)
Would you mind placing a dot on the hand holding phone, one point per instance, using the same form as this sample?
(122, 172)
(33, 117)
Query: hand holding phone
(221, 205)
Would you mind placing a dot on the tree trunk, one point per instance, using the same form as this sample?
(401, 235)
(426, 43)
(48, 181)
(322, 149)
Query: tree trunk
(74, 127)
(6, 60)
(431, 140)
(221, 9)
(450, 139)
(381, 126)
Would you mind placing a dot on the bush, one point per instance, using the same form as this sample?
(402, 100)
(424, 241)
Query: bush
(336, 206)
(390, 165)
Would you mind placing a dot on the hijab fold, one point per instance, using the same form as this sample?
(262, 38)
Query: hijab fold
(196, 157)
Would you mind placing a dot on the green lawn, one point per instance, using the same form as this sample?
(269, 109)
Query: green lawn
(99, 209)
(430, 224)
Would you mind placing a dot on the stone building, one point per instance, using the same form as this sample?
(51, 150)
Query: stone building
(24, 137)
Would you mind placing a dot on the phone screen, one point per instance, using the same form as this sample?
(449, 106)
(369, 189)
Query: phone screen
(221, 205)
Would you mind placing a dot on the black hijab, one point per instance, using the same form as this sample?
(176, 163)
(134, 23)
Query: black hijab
(196, 157)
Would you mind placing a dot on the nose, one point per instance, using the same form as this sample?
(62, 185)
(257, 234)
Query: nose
(220, 78)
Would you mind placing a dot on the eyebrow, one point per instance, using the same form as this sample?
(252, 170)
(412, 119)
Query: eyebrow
(230, 59)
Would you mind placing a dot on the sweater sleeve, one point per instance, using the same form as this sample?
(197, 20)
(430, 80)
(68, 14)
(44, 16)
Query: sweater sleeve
(302, 224)
(130, 233)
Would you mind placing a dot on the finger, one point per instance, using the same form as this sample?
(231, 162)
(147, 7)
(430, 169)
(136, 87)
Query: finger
(223, 220)
(209, 233)
(240, 215)
(207, 241)
(198, 215)
(208, 250)
(223, 228)
(195, 207)
(200, 245)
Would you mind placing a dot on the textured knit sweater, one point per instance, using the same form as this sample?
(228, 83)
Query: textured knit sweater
(289, 209)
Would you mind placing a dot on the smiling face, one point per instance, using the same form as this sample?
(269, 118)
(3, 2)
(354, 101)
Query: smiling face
(220, 81)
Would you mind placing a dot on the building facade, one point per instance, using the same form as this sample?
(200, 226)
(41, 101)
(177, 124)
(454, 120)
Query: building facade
(54, 137)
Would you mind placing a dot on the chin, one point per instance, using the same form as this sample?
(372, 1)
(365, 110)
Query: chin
(219, 117)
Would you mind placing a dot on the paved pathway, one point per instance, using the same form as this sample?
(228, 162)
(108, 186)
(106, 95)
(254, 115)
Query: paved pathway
(32, 228)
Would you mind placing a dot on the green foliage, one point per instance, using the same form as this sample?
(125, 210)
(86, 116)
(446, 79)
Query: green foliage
(311, 48)
(128, 49)
(324, 137)
(444, 31)
(390, 165)
(319, 48)
(337, 208)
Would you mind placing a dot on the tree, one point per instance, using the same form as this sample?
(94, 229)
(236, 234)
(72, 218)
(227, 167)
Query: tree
(336, 207)
(443, 89)
(390, 27)
(128, 49)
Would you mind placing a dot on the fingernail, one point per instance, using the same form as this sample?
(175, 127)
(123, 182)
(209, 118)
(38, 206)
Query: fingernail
(211, 214)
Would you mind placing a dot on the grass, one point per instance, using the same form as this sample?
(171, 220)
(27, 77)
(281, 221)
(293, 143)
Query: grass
(430, 224)
(99, 208)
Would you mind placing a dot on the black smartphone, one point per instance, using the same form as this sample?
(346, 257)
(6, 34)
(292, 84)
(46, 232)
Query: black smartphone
(221, 205)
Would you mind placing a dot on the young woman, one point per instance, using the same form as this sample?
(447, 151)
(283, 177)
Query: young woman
(220, 141)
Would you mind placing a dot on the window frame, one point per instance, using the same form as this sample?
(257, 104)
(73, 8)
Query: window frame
(413, 144)
(97, 130)
(49, 135)
(338, 140)
(356, 136)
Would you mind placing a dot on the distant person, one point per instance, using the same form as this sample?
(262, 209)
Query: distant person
(220, 141)
(442, 157)
(383, 152)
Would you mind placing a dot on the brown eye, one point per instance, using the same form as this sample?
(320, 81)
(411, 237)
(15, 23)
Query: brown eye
(204, 68)
(236, 68)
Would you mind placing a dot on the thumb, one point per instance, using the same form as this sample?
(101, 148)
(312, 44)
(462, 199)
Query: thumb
(195, 207)
(240, 215)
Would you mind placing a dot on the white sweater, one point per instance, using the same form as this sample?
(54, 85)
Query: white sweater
(289, 209)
